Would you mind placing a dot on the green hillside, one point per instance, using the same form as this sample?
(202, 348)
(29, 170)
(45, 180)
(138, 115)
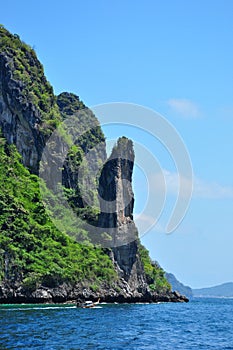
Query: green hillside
(32, 249)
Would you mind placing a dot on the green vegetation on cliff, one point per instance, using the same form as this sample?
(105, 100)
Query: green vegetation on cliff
(85, 157)
(154, 273)
(29, 73)
(32, 250)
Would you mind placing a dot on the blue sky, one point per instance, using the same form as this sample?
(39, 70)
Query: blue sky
(175, 57)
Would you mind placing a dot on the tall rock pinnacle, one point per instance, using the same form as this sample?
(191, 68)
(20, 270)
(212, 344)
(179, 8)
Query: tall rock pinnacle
(116, 203)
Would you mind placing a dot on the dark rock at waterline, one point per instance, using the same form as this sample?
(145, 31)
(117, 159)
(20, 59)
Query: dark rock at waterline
(66, 293)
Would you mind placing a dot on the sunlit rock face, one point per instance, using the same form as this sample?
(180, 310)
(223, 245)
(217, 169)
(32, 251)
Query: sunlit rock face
(116, 218)
(19, 119)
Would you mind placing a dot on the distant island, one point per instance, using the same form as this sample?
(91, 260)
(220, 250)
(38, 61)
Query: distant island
(224, 290)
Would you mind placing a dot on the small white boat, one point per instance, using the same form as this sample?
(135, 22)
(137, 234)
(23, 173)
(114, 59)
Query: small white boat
(89, 304)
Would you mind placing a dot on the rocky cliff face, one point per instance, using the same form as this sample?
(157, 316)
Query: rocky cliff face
(30, 112)
(116, 203)
(88, 152)
(27, 104)
(19, 119)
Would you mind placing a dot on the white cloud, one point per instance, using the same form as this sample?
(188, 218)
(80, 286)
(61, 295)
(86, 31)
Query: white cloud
(210, 190)
(201, 189)
(145, 218)
(170, 184)
(184, 107)
(144, 222)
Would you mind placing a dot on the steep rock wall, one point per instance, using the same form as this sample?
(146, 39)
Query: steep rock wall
(116, 203)
(19, 118)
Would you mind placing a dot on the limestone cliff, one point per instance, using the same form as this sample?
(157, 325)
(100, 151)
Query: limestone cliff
(116, 203)
(30, 112)
(88, 147)
(27, 105)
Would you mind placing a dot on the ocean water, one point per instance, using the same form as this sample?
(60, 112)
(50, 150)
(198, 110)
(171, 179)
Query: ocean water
(199, 324)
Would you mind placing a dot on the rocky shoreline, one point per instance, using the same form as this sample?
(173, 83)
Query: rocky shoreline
(66, 293)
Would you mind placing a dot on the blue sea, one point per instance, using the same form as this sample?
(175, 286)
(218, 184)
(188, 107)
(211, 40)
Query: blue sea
(199, 324)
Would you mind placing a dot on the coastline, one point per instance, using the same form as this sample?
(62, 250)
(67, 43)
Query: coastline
(66, 294)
